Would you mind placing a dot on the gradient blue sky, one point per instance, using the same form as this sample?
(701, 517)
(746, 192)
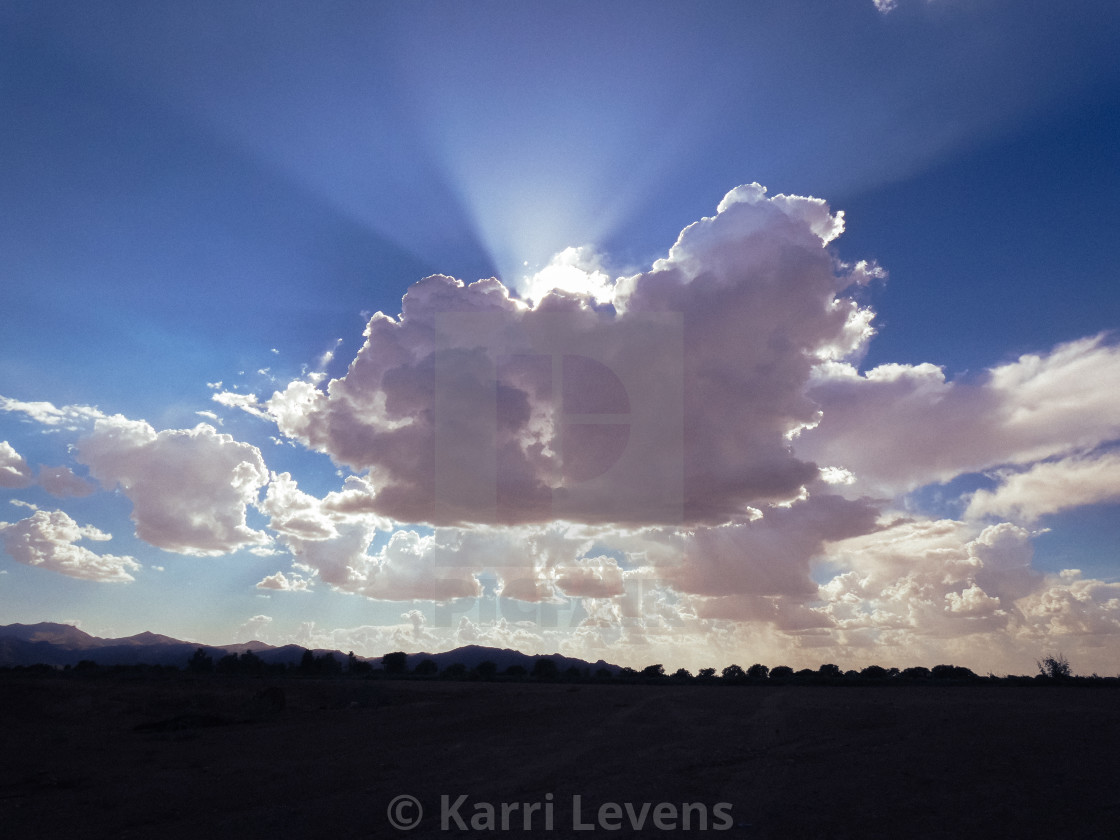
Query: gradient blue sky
(205, 193)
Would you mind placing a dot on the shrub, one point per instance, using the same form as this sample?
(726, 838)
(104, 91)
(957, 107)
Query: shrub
(1055, 667)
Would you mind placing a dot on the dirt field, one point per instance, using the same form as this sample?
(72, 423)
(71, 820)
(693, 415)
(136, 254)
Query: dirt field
(214, 758)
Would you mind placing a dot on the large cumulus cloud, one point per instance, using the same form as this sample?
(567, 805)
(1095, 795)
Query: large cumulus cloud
(474, 407)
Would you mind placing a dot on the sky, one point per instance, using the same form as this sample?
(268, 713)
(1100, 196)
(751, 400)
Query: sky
(692, 334)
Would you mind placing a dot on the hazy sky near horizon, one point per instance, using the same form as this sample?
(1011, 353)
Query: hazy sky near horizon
(655, 332)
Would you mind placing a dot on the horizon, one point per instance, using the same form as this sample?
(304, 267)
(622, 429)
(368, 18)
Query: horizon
(792, 339)
(1047, 666)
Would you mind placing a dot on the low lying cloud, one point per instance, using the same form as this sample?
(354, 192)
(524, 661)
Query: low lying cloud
(47, 539)
(1051, 487)
(899, 427)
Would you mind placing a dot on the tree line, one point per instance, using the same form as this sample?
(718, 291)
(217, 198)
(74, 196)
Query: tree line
(1052, 669)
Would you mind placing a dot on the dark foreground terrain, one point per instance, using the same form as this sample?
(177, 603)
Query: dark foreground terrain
(218, 758)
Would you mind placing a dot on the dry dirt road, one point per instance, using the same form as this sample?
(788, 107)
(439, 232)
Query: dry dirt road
(212, 758)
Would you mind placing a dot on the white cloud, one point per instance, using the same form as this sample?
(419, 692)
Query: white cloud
(574, 270)
(69, 417)
(256, 629)
(284, 583)
(898, 427)
(189, 488)
(62, 483)
(755, 299)
(246, 402)
(47, 539)
(1050, 487)
(14, 471)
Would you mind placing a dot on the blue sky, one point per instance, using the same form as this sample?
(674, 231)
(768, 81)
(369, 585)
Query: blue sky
(210, 201)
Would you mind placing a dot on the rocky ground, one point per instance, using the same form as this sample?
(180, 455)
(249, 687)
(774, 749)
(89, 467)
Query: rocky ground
(242, 758)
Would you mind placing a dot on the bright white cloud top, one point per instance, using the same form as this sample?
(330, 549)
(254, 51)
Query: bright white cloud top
(568, 424)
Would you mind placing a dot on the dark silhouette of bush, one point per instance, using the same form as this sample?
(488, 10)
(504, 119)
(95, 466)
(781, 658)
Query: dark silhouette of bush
(952, 672)
(681, 675)
(327, 665)
(426, 667)
(357, 667)
(486, 670)
(758, 672)
(830, 672)
(706, 674)
(307, 663)
(732, 674)
(250, 663)
(395, 663)
(200, 663)
(227, 664)
(873, 672)
(916, 673)
(515, 671)
(1056, 668)
(545, 669)
(781, 672)
(653, 672)
(454, 671)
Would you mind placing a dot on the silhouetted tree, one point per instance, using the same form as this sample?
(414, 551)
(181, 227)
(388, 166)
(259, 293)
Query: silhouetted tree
(487, 670)
(426, 667)
(758, 672)
(653, 672)
(830, 671)
(706, 674)
(781, 672)
(544, 669)
(517, 671)
(873, 672)
(200, 662)
(454, 671)
(395, 663)
(603, 674)
(916, 672)
(227, 664)
(732, 673)
(952, 672)
(357, 666)
(1055, 667)
(250, 663)
(307, 663)
(327, 665)
(681, 675)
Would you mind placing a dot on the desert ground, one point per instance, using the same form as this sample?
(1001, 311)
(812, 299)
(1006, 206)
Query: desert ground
(213, 757)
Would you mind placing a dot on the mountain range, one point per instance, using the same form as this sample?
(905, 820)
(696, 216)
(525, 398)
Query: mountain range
(47, 643)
